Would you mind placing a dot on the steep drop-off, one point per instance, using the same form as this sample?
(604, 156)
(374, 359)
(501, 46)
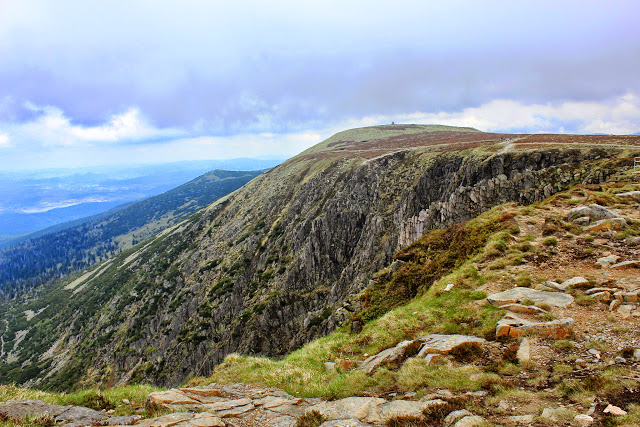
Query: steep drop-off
(275, 264)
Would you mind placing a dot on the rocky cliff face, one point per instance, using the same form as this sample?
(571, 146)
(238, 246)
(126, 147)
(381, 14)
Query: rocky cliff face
(274, 264)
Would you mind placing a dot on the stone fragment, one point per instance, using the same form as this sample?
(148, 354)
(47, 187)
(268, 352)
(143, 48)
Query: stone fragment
(614, 410)
(632, 240)
(522, 419)
(230, 408)
(471, 421)
(402, 408)
(547, 286)
(519, 294)
(581, 362)
(184, 419)
(330, 366)
(122, 421)
(169, 399)
(629, 194)
(626, 264)
(602, 296)
(432, 358)
(444, 344)
(393, 355)
(630, 296)
(524, 309)
(456, 416)
(607, 261)
(361, 408)
(343, 423)
(81, 416)
(557, 329)
(613, 224)
(620, 359)
(593, 211)
(597, 290)
(581, 221)
(573, 282)
(636, 353)
(625, 310)
(614, 304)
(22, 408)
(583, 420)
(524, 351)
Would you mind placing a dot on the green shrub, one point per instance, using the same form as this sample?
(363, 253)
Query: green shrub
(550, 241)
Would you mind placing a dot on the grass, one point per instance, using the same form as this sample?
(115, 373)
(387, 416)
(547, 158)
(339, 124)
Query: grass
(302, 373)
(437, 254)
(91, 398)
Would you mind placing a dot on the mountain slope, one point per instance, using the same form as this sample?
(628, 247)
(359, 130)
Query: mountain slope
(275, 264)
(50, 255)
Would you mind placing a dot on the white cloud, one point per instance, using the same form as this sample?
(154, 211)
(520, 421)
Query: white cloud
(52, 140)
(53, 129)
(4, 141)
(617, 116)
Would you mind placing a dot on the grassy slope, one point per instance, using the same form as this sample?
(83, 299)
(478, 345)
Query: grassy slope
(503, 251)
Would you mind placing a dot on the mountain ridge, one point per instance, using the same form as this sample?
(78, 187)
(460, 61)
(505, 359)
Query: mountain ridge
(275, 264)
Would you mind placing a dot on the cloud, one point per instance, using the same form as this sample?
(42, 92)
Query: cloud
(51, 139)
(280, 66)
(4, 141)
(616, 116)
(51, 128)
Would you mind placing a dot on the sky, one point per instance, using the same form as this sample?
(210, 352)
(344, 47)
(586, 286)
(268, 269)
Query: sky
(147, 81)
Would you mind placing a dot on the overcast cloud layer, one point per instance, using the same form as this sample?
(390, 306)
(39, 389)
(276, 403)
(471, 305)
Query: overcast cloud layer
(85, 82)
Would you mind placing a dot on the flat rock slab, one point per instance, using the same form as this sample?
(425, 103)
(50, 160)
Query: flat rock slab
(574, 281)
(360, 408)
(471, 421)
(184, 419)
(344, 423)
(626, 264)
(393, 355)
(444, 344)
(22, 408)
(518, 294)
(514, 328)
(525, 309)
(170, 399)
(81, 416)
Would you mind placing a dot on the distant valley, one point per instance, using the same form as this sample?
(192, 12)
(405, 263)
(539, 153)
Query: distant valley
(35, 200)
(35, 261)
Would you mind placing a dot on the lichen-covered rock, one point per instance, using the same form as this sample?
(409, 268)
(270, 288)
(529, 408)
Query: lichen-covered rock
(593, 211)
(445, 344)
(518, 294)
(21, 408)
(515, 327)
(393, 355)
(613, 224)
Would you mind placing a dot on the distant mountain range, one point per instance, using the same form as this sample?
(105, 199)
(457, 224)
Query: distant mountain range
(72, 246)
(35, 200)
